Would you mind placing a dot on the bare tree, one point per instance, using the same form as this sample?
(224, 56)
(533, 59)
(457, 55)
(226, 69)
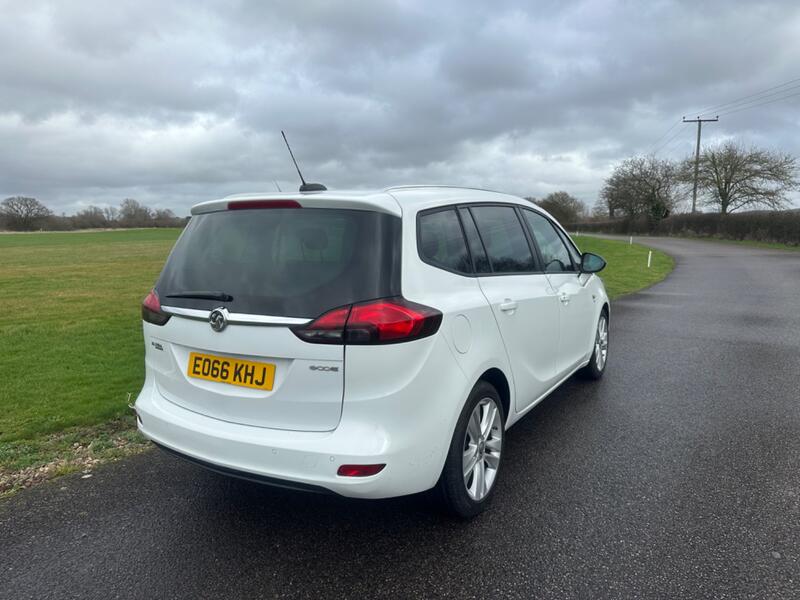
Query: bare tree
(22, 213)
(134, 214)
(564, 207)
(91, 217)
(733, 177)
(642, 185)
(111, 214)
(600, 209)
(164, 217)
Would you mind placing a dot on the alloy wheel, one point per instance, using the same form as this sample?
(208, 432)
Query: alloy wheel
(483, 443)
(601, 343)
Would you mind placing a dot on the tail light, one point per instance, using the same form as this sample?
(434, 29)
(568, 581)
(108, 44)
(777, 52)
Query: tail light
(151, 310)
(385, 321)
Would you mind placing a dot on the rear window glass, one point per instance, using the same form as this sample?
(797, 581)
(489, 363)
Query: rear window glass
(504, 239)
(284, 262)
(475, 244)
(441, 241)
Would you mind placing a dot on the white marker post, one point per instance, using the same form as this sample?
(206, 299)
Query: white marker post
(649, 258)
(630, 243)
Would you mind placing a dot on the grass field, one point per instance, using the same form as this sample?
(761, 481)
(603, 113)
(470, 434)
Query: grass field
(627, 264)
(71, 343)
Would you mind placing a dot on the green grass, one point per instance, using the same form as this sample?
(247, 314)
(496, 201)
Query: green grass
(627, 264)
(71, 335)
(71, 343)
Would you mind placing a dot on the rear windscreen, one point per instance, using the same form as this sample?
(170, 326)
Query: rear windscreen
(284, 262)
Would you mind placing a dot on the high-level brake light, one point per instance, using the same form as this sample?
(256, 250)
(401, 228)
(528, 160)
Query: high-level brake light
(248, 204)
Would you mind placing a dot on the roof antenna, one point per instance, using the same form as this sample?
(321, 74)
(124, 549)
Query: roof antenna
(275, 181)
(305, 187)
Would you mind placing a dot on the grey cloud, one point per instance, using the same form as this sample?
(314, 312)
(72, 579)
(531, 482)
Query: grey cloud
(179, 102)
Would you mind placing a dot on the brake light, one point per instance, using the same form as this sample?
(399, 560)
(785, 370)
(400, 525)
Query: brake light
(246, 204)
(151, 309)
(359, 470)
(384, 321)
(327, 329)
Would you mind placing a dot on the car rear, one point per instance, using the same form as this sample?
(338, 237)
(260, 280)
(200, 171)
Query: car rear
(260, 311)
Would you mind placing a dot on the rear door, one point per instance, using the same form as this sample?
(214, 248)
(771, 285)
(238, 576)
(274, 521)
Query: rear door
(266, 271)
(522, 299)
(574, 299)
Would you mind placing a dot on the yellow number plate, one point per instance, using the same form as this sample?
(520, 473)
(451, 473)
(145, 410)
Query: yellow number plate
(231, 370)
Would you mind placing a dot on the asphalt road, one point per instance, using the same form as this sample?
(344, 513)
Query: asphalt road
(677, 476)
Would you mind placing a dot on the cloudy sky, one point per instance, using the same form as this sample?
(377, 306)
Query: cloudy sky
(174, 103)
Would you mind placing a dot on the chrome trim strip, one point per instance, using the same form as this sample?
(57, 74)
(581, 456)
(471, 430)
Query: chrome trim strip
(240, 318)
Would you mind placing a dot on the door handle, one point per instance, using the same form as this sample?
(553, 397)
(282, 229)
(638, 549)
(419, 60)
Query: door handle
(508, 305)
(564, 299)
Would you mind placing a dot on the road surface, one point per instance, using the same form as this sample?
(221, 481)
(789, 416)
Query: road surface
(677, 476)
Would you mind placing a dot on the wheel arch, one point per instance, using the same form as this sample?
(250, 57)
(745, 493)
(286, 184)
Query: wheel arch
(499, 381)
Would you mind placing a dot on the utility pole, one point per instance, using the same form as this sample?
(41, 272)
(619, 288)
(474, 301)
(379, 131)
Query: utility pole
(699, 122)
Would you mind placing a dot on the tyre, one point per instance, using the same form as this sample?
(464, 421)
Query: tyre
(597, 364)
(468, 479)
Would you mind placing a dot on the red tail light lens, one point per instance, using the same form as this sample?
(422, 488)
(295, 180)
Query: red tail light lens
(393, 320)
(247, 204)
(385, 321)
(327, 329)
(359, 470)
(151, 310)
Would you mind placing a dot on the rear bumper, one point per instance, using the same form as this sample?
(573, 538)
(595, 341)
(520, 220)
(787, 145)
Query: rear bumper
(407, 427)
(262, 479)
(294, 458)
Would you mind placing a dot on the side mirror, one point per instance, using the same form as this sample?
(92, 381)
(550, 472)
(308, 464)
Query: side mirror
(591, 263)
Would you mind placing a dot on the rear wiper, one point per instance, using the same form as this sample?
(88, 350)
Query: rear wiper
(203, 295)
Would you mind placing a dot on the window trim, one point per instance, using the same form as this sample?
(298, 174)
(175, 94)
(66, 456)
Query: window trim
(443, 208)
(568, 241)
(532, 245)
(460, 209)
(575, 267)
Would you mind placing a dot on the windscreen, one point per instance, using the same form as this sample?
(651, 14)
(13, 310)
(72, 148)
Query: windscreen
(284, 262)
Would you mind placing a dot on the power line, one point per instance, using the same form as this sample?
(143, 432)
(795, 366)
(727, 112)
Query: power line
(663, 135)
(736, 101)
(732, 105)
(730, 112)
(739, 104)
(675, 144)
(670, 140)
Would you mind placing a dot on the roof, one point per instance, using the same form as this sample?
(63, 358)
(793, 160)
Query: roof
(391, 200)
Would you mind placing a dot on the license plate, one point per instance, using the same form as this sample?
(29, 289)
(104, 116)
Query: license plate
(234, 371)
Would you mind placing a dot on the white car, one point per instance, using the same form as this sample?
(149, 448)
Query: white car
(367, 344)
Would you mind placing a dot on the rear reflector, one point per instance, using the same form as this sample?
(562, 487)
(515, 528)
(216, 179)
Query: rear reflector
(385, 321)
(151, 309)
(247, 204)
(359, 470)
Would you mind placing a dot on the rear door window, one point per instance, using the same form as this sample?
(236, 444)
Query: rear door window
(441, 241)
(555, 256)
(284, 262)
(504, 239)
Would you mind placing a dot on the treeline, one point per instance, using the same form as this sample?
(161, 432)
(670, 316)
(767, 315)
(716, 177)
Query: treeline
(564, 207)
(729, 177)
(20, 213)
(778, 226)
(745, 192)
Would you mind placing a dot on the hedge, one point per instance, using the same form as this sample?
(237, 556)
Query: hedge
(781, 227)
